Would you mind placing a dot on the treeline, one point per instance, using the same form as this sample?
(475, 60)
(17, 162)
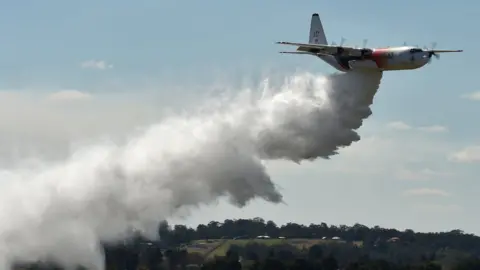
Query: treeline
(357, 247)
(251, 228)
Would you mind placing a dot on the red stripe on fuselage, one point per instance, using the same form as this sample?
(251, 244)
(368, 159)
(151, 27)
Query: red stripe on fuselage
(379, 56)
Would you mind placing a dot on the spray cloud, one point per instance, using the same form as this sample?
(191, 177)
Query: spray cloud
(101, 192)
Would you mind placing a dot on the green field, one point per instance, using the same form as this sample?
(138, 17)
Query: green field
(218, 247)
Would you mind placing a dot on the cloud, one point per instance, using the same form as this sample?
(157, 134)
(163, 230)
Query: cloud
(475, 96)
(69, 95)
(40, 123)
(470, 154)
(426, 192)
(96, 64)
(389, 156)
(420, 175)
(434, 129)
(400, 125)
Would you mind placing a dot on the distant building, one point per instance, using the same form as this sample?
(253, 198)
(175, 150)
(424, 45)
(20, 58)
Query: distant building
(393, 240)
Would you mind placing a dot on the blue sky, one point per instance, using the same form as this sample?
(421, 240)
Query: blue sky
(415, 181)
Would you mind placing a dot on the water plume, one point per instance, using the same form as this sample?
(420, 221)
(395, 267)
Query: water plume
(103, 192)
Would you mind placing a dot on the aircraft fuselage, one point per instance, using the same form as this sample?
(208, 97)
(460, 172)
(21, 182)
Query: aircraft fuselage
(381, 59)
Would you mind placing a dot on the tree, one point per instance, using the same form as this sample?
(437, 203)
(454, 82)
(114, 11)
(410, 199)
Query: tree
(330, 263)
(315, 252)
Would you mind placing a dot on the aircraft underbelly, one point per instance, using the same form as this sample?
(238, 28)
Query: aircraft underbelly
(363, 64)
(400, 64)
(388, 65)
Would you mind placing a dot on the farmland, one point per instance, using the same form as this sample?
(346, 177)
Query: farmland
(218, 247)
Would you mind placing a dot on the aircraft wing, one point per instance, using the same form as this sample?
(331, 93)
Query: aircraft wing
(445, 51)
(326, 49)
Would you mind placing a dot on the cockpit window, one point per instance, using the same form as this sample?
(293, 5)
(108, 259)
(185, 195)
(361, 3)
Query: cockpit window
(415, 50)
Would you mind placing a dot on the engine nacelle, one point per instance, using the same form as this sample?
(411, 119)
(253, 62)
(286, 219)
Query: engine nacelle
(363, 64)
(366, 52)
(361, 53)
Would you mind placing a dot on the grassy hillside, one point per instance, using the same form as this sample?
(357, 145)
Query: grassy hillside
(218, 247)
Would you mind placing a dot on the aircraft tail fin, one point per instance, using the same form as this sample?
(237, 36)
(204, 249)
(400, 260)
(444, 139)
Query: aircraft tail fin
(317, 35)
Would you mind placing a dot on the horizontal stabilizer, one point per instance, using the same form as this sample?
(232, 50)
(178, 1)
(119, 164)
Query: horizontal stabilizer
(297, 52)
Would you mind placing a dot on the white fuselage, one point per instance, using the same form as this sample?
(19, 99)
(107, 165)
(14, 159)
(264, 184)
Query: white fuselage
(384, 59)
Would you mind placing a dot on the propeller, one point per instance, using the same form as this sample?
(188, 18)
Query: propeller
(344, 39)
(365, 43)
(341, 42)
(431, 52)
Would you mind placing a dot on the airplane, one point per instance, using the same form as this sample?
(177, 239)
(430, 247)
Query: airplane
(345, 59)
